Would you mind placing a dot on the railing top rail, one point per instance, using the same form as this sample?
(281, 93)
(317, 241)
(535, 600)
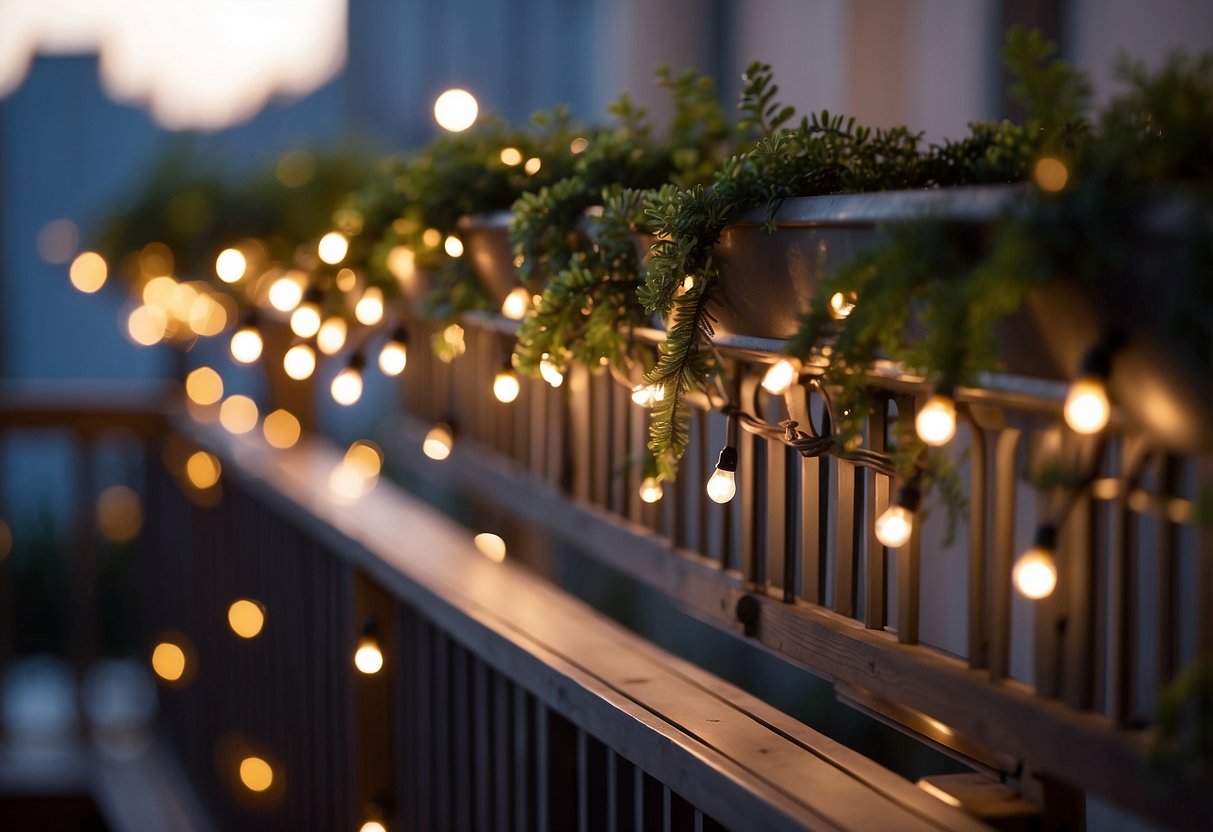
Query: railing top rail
(86, 407)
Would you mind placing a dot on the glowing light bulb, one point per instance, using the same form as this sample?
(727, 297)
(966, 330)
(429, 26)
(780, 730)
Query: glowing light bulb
(394, 355)
(516, 304)
(1087, 409)
(1035, 571)
(331, 336)
(722, 485)
(438, 442)
(230, 265)
(894, 527)
(453, 246)
(491, 546)
(646, 395)
(147, 325)
(168, 661)
(368, 658)
(281, 429)
(256, 774)
(533, 165)
(88, 272)
(246, 618)
(202, 469)
(511, 156)
(936, 421)
(650, 490)
(204, 386)
(841, 305)
(369, 310)
(332, 247)
(285, 293)
(372, 826)
(1050, 174)
(238, 414)
(305, 320)
(246, 344)
(299, 362)
(347, 385)
(456, 110)
(781, 376)
(505, 386)
(550, 372)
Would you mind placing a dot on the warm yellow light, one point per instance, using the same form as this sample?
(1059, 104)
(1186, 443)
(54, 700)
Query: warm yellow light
(431, 237)
(365, 457)
(1050, 174)
(88, 272)
(347, 483)
(147, 325)
(285, 293)
(491, 546)
(650, 490)
(453, 246)
(936, 421)
(1035, 573)
(119, 514)
(368, 658)
(332, 247)
(238, 414)
(511, 156)
(246, 618)
(156, 259)
(456, 110)
(438, 442)
(204, 386)
(516, 304)
(299, 362)
(347, 386)
(372, 826)
(533, 165)
(722, 486)
(159, 291)
(894, 527)
(841, 305)
(281, 429)
(246, 344)
(578, 145)
(369, 310)
(781, 376)
(402, 263)
(453, 336)
(346, 279)
(202, 469)
(646, 395)
(230, 265)
(550, 372)
(256, 774)
(393, 358)
(505, 386)
(331, 336)
(305, 320)
(1087, 409)
(168, 661)
(206, 315)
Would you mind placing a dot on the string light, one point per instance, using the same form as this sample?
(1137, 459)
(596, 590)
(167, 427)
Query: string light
(722, 485)
(492, 546)
(246, 344)
(347, 384)
(453, 246)
(281, 429)
(516, 304)
(204, 386)
(88, 272)
(230, 265)
(369, 310)
(896, 525)
(246, 618)
(781, 376)
(533, 165)
(841, 305)
(650, 490)
(439, 441)
(936, 421)
(1035, 571)
(456, 110)
(256, 774)
(285, 293)
(305, 320)
(394, 355)
(368, 657)
(168, 661)
(299, 362)
(505, 385)
(550, 372)
(331, 336)
(1087, 408)
(333, 247)
(647, 395)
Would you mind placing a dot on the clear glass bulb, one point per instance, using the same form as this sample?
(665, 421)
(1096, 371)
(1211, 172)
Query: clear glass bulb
(650, 490)
(369, 310)
(780, 377)
(368, 658)
(936, 422)
(722, 486)
(393, 358)
(516, 304)
(1035, 573)
(551, 374)
(1087, 408)
(894, 527)
(347, 386)
(305, 320)
(246, 344)
(841, 305)
(299, 362)
(438, 442)
(506, 387)
(331, 337)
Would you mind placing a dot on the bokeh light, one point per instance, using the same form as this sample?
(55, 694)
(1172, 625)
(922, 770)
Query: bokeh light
(88, 271)
(281, 429)
(238, 414)
(119, 514)
(246, 618)
(456, 110)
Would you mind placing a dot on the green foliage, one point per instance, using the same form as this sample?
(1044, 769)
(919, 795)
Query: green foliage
(1185, 718)
(1054, 95)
